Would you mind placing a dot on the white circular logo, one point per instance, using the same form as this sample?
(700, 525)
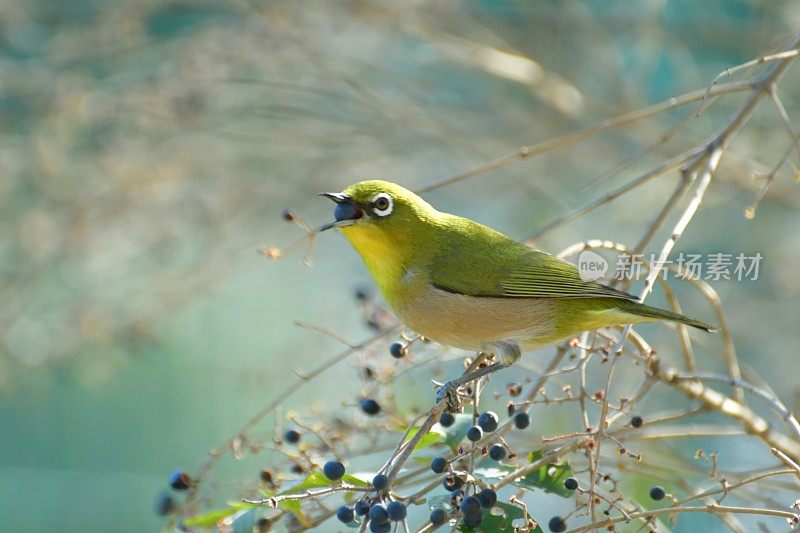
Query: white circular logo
(591, 266)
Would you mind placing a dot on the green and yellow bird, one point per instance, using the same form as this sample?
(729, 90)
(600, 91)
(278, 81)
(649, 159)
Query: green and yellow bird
(462, 284)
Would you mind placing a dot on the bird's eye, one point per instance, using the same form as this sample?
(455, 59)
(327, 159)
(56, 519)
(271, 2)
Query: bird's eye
(382, 204)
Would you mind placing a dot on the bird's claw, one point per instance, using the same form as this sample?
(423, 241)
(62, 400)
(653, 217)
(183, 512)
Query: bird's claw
(449, 393)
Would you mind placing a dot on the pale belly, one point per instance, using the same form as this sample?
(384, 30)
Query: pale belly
(473, 323)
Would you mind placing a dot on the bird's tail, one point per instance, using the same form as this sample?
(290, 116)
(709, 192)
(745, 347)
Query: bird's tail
(647, 311)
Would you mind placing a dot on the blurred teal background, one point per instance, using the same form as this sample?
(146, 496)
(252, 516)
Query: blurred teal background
(147, 150)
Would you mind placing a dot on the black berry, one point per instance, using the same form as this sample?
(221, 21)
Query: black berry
(180, 480)
(362, 508)
(439, 465)
(447, 419)
(345, 514)
(398, 350)
(487, 497)
(557, 524)
(522, 420)
(380, 482)
(291, 436)
(488, 421)
(378, 514)
(438, 517)
(344, 211)
(657, 493)
(370, 406)
(452, 483)
(570, 483)
(263, 525)
(333, 470)
(497, 452)
(470, 505)
(455, 497)
(636, 421)
(362, 293)
(164, 504)
(474, 433)
(396, 511)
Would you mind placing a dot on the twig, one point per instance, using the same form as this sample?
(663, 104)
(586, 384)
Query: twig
(773, 402)
(396, 463)
(711, 162)
(287, 392)
(712, 399)
(552, 456)
(787, 123)
(559, 142)
(768, 178)
(273, 501)
(788, 54)
(609, 197)
(705, 164)
(711, 509)
(788, 461)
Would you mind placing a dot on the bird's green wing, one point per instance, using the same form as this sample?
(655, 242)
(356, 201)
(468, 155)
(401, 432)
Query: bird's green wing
(482, 262)
(542, 275)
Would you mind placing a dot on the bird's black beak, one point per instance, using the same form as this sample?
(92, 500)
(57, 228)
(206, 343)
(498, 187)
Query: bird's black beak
(346, 211)
(338, 197)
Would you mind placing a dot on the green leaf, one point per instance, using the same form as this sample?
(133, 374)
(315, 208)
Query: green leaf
(549, 478)
(455, 433)
(353, 480)
(294, 507)
(499, 518)
(313, 480)
(317, 479)
(429, 439)
(434, 436)
(211, 518)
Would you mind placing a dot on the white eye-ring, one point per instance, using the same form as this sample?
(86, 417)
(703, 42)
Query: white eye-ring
(382, 204)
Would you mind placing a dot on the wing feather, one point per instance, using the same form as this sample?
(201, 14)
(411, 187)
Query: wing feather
(478, 261)
(544, 276)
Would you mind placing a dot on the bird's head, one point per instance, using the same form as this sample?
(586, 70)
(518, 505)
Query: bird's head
(377, 216)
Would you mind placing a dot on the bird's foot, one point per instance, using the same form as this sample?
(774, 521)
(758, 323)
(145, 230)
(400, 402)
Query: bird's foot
(449, 393)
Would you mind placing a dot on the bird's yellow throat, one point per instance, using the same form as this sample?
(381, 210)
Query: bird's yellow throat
(385, 257)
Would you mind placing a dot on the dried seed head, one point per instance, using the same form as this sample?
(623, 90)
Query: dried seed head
(599, 395)
(271, 252)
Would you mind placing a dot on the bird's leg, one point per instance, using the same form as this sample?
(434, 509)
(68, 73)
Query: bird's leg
(449, 389)
(507, 352)
(451, 394)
